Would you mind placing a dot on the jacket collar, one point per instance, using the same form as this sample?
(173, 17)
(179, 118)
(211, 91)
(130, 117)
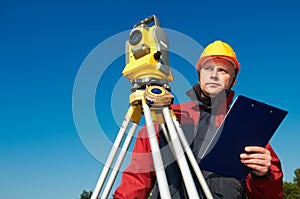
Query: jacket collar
(208, 104)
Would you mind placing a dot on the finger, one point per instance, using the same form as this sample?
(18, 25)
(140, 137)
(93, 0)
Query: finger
(245, 156)
(259, 162)
(256, 149)
(257, 169)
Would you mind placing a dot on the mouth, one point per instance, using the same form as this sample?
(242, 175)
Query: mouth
(213, 84)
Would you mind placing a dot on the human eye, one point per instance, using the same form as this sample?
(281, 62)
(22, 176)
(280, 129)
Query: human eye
(208, 68)
(223, 70)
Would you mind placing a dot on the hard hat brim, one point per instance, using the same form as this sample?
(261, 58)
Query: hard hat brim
(203, 60)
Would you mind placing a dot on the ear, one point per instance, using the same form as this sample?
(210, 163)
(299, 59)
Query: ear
(233, 82)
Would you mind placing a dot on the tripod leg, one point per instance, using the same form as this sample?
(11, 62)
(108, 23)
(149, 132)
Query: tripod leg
(179, 154)
(119, 161)
(165, 131)
(192, 159)
(157, 159)
(111, 156)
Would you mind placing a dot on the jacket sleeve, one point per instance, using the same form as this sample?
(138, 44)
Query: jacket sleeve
(269, 187)
(139, 177)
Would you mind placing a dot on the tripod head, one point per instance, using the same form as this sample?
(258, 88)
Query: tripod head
(147, 61)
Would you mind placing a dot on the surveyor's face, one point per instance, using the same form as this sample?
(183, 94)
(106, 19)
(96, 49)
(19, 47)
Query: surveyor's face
(216, 75)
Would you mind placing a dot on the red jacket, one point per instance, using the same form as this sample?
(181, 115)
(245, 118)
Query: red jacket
(139, 177)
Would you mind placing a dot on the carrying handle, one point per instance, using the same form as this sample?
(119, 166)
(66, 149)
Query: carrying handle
(148, 21)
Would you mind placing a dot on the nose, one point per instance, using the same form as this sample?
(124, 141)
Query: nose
(214, 73)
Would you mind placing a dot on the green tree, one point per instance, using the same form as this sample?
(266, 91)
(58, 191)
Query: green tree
(297, 177)
(292, 189)
(86, 194)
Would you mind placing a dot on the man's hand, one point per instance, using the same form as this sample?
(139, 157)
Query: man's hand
(258, 159)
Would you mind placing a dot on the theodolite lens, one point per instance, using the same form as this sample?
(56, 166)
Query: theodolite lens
(135, 37)
(156, 91)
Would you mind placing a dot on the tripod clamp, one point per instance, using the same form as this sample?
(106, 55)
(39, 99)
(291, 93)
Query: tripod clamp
(158, 96)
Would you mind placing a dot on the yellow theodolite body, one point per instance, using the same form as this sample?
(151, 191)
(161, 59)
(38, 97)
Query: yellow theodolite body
(147, 52)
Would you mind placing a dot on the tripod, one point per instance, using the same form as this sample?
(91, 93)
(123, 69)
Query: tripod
(148, 69)
(153, 102)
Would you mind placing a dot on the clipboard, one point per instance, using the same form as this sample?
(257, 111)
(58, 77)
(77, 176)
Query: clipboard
(247, 123)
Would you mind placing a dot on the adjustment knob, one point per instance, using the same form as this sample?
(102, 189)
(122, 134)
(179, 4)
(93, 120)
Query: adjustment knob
(157, 55)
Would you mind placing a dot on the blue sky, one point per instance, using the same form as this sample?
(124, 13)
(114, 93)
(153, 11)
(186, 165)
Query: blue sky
(44, 44)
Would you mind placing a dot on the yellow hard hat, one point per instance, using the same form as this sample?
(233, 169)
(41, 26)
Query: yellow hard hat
(218, 49)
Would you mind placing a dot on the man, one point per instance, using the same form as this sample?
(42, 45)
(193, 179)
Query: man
(217, 70)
